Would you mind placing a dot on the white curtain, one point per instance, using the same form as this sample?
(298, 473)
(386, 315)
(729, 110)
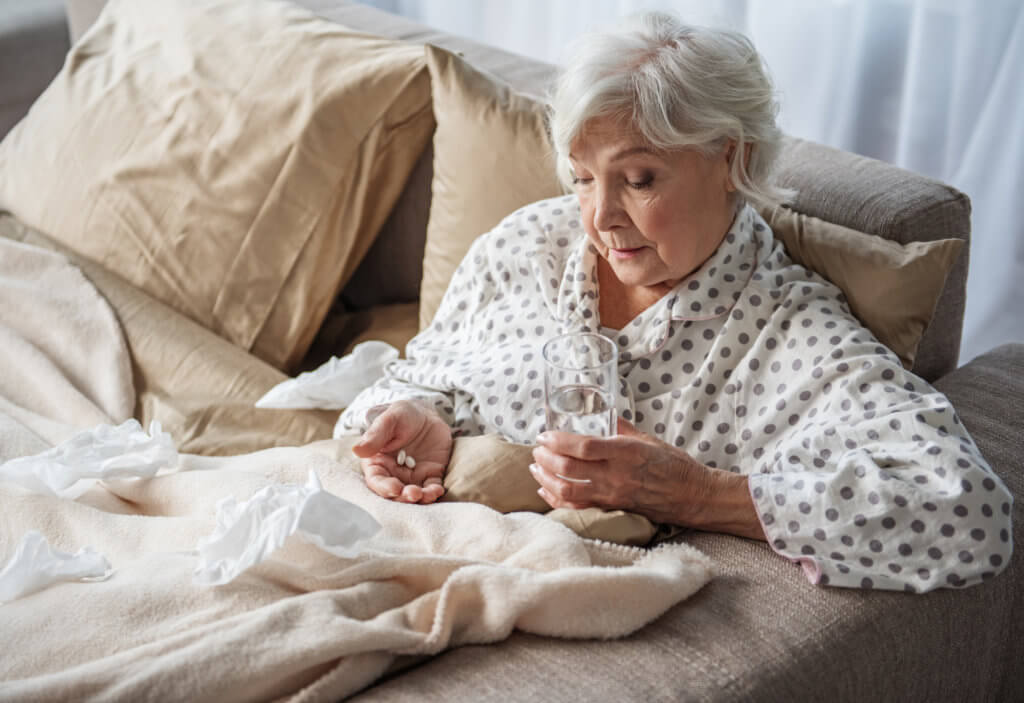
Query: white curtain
(934, 86)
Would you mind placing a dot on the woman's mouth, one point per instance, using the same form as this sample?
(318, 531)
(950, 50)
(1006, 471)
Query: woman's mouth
(625, 253)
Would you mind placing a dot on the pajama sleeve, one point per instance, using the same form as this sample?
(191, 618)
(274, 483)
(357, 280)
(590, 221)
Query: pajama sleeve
(866, 475)
(424, 375)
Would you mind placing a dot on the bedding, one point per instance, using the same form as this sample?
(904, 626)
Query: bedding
(303, 624)
(63, 362)
(199, 386)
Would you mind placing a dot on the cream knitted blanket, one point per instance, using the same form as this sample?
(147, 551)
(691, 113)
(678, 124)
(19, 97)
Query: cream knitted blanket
(304, 625)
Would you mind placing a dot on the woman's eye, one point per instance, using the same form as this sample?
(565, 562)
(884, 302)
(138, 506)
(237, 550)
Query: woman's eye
(577, 180)
(640, 185)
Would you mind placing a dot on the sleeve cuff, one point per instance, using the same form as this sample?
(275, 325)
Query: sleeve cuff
(811, 567)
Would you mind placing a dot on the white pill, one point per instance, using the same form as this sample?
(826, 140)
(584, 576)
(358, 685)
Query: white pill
(410, 462)
(401, 457)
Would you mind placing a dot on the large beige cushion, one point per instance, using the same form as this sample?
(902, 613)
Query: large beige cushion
(492, 154)
(233, 159)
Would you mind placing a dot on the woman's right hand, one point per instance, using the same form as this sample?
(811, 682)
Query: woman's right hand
(417, 429)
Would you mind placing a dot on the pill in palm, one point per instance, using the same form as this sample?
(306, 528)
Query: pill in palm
(410, 462)
(401, 457)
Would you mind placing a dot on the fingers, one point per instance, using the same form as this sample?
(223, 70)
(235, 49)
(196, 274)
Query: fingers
(625, 428)
(560, 490)
(389, 480)
(556, 502)
(380, 436)
(565, 467)
(411, 493)
(579, 446)
(426, 471)
(427, 493)
(380, 481)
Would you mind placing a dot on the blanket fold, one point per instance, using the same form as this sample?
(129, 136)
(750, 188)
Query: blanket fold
(434, 577)
(304, 624)
(63, 360)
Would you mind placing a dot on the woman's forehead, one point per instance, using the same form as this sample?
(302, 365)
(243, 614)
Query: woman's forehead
(610, 138)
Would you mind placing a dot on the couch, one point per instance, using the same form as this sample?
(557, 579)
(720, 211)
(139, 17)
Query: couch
(758, 630)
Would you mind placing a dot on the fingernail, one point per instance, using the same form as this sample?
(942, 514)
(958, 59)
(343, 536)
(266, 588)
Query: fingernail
(534, 469)
(543, 437)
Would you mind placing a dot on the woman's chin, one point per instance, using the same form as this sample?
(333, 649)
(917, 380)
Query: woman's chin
(634, 277)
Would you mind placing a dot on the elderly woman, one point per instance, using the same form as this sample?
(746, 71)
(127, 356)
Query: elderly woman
(751, 401)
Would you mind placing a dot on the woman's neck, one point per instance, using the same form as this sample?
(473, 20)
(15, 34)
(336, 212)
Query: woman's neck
(618, 303)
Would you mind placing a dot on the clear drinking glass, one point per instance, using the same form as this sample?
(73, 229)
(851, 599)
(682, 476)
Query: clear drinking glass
(580, 376)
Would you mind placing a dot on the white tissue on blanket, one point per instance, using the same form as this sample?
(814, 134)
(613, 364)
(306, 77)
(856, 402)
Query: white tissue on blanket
(35, 566)
(250, 531)
(104, 452)
(335, 383)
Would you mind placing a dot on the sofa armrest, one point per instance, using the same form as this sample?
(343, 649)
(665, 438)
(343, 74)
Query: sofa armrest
(988, 393)
(33, 43)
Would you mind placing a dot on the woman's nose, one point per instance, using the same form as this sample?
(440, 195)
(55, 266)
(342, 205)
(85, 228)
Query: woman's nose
(607, 212)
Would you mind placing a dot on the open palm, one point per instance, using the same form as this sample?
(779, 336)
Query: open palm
(423, 435)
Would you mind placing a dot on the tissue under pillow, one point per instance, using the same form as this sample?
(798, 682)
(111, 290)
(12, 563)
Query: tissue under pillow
(335, 383)
(233, 159)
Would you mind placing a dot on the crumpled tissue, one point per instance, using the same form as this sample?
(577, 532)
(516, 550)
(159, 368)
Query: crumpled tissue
(35, 566)
(104, 452)
(250, 531)
(335, 383)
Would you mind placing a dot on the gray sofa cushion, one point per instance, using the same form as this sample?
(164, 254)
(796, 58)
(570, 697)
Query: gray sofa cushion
(33, 42)
(988, 393)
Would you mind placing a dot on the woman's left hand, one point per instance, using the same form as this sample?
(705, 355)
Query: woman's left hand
(639, 473)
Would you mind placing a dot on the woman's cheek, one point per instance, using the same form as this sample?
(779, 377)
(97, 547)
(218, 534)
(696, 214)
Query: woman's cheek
(588, 227)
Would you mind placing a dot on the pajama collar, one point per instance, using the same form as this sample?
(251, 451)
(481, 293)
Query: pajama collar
(708, 293)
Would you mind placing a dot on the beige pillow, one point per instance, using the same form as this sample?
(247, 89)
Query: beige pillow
(486, 469)
(232, 159)
(892, 288)
(491, 156)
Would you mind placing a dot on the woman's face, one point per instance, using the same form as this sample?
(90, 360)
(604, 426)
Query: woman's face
(654, 216)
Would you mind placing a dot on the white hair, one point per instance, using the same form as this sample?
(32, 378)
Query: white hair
(680, 86)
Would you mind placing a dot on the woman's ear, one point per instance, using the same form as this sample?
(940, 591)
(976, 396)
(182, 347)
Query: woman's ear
(730, 154)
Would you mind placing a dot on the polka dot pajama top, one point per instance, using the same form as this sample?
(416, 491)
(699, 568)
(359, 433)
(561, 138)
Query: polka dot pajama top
(859, 470)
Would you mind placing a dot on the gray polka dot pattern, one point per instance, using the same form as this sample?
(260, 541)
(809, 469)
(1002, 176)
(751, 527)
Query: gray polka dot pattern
(859, 470)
